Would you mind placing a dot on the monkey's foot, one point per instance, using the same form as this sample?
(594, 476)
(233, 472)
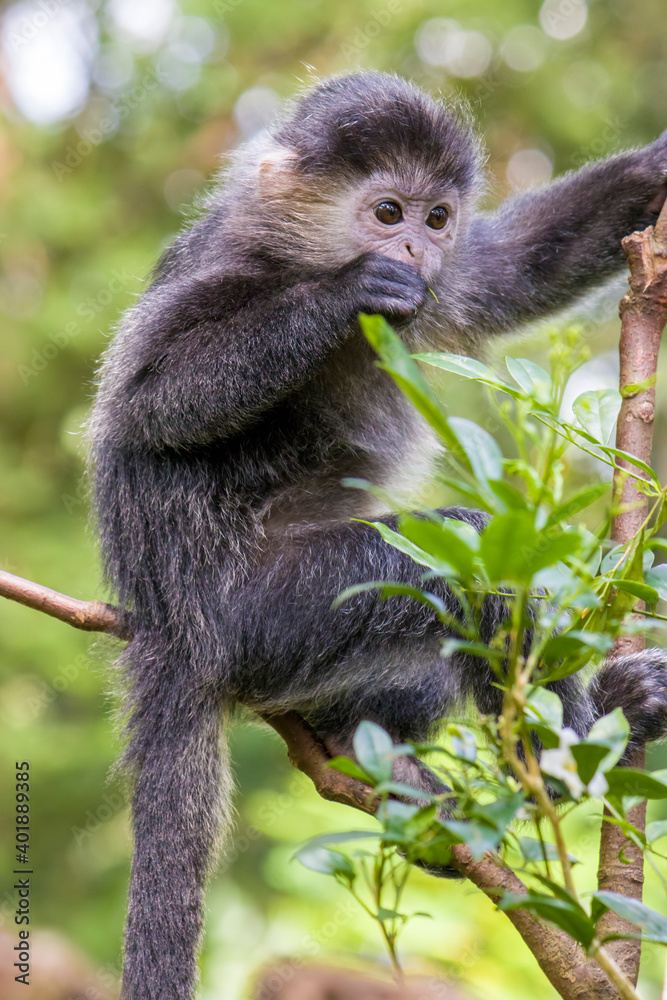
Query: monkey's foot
(638, 685)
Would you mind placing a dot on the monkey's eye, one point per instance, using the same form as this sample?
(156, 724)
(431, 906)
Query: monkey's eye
(437, 217)
(388, 212)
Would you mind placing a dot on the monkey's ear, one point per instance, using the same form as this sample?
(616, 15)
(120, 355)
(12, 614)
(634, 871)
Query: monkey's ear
(276, 172)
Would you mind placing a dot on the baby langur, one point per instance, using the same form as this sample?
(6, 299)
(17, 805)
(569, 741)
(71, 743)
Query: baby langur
(236, 396)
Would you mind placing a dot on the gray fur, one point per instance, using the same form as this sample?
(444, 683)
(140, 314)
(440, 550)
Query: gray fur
(238, 393)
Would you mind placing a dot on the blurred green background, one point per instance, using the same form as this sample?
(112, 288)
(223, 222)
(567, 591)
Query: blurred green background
(115, 116)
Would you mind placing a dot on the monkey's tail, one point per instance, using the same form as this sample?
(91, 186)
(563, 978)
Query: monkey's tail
(182, 791)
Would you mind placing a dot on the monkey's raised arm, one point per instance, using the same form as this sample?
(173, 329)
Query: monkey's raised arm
(201, 357)
(545, 248)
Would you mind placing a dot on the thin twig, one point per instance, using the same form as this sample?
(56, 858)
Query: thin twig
(91, 616)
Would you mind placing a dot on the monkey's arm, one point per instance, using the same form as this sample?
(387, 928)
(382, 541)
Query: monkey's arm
(545, 248)
(202, 357)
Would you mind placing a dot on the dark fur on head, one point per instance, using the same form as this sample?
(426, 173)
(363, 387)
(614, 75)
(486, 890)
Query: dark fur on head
(359, 125)
(236, 396)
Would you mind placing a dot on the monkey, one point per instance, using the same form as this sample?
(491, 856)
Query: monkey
(236, 397)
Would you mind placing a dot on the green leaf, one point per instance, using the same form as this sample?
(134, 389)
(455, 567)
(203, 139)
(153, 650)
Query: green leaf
(514, 551)
(500, 812)
(339, 838)
(613, 732)
(544, 707)
(481, 450)
(566, 914)
(588, 757)
(400, 542)
(639, 590)
(383, 915)
(657, 578)
(351, 769)
(576, 642)
(459, 364)
(451, 646)
(652, 924)
(597, 411)
(531, 377)
(464, 744)
(634, 461)
(374, 749)
(450, 543)
(396, 361)
(631, 781)
(479, 837)
(422, 596)
(327, 862)
(509, 496)
(584, 498)
(531, 849)
(656, 830)
(400, 788)
(396, 817)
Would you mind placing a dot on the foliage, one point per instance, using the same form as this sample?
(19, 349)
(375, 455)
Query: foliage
(568, 595)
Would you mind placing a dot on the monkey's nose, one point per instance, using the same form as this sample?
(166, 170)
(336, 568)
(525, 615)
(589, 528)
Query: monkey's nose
(415, 252)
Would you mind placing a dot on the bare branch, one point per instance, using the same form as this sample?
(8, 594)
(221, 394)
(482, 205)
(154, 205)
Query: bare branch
(644, 314)
(91, 616)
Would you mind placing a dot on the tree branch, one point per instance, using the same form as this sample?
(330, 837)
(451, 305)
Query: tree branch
(644, 314)
(572, 974)
(91, 616)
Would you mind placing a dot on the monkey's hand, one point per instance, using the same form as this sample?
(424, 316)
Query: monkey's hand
(377, 284)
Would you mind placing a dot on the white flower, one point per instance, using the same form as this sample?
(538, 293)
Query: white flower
(560, 763)
(598, 786)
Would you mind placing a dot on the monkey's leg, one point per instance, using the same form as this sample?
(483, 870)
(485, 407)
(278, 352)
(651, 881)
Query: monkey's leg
(290, 647)
(175, 756)
(637, 684)
(382, 658)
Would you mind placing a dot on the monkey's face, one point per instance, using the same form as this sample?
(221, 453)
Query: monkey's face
(406, 220)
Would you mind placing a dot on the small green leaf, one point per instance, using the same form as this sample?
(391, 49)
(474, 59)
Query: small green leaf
(479, 837)
(327, 862)
(384, 915)
(351, 769)
(597, 411)
(464, 744)
(374, 749)
(589, 758)
(657, 578)
(544, 707)
(481, 450)
(396, 361)
(639, 590)
(613, 732)
(631, 781)
(531, 377)
(633, 461)
(450, 543)
(339, 838)
(576, 642)
(580, 501)
(652, 924)
(400, 542)
(514, 551)
(566, 914)
(400, 788)
(459, 364)
(656, 830)
(531, 849)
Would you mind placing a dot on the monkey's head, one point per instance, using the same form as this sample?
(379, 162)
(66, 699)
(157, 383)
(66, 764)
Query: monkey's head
(367, 163)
